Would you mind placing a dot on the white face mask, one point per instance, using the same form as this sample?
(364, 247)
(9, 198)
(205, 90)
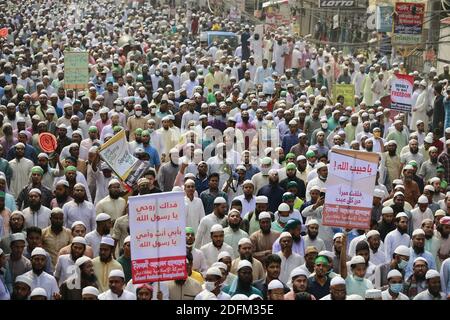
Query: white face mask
(138, 113)
(324, 126)
(119, 108)
(153, 110)
(210, 286)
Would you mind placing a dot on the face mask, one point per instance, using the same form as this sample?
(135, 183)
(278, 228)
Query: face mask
(210, 286)
(34, 77)
(358, 278)
(157, 73)
(284, 219)
(138, 113)
(153, 110)
(324, 126)
(402, 264)
(396, 287)
(119, 108)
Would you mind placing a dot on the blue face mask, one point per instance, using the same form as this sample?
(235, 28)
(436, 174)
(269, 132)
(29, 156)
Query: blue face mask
(358, 278)
(396, 287)
(402, 264)
(284, 219)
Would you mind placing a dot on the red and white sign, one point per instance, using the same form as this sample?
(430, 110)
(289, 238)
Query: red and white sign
(401, 92)
(158, 237)
(350, 185)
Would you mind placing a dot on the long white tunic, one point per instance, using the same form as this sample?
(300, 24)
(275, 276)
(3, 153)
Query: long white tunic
(393, 240)
(203, 232)
(45, 281)
(194, 212)
(211, 252)
(21, 170)
(109, 295)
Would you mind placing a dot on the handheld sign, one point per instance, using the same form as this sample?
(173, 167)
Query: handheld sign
(47, 142)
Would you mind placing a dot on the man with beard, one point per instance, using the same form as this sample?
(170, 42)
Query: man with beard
(94, 238)
(311, 238)
(79, 209)
(186, 289)
(16, 225)
(273, 268)
(273, 191)
(392, 162)
(8, 140)
(250, 222)
(294, 227)
(319, 283)
(418, 250)
(291, 175)
(320, 180)
(416, 282)
(421, 212)
(41, 278)
(49, 173)
(434, 288)
(245, 253)
(338, 289)
(62, 139)
(92, 138)
(168, 171)
(218, 216)
(376, 254)
(243, 283)
(412, 192)
(399, 135)
(55, 236)
(78, 230)
(233, 233)
(66, 263)
(398, 236)
(105, 263)
(299, 281)
(73, 177)
(114, 204)
(289, 259)
(198, 263)
(263, 238)
(34, 240)
(36, 214)
(412, 154)
(36, 183)
(16, 263)
(116, 291)
(22, 288)
(400, 205)
(428, 169)
(21, 169)
(443, 229)
(212, 249)
(194, 206)
(72, 288)
(62, 195)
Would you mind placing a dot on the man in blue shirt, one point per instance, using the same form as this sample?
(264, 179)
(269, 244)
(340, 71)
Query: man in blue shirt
(418, 250)
(154, 160)
(290, 139)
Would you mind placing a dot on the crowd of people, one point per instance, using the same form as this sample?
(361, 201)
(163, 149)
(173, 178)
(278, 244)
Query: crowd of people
(245, 132)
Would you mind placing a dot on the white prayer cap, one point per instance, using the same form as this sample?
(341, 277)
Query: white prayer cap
(423, 199)
(357, 260)
(223, 254)
(243, 264)
(82, 260)
(394, 273)
(266, 161)
(220, 265)
(440, 213)
(127, 239)
(104, 110)
(429, 188)
(387, 210)
(420, 259)
(408, 167)
(79, 240)
(177, 188)
(64, 182)
(90, 290)
(38, 292)
(373, 293)
(265, 215)
(38, 251)
(298, 271)
(312, 221)
(435, 179)
(337, 281)
(432, 274)
(108, 241)
(102, 217)
(326, 253)
(301, 157)
(214, 271)
(116, 273)
(372, 233)
(428, 139)
(244, 241)
(275, 284)
(77, 223)
(239, 297)
(338, 235)
(402, 250)
(220, 200)
(399, 193)
(320, 165)
(378, 193)
(273, 172)
(262, 199)
(35, 190)
(43, 155)
(24, 279)
(401, 215)
(19, 236)
(418, 232)
(216, 228)
(354, 297)
(248, 182)
(285, 234)
(113, 181)
(284, 207)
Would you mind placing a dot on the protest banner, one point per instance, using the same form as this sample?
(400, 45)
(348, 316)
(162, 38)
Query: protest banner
(158, 237)
(76, 70)
(346, 90)
(401, 92)
(384, 17)
(116, 155)
(408, 23)
(350, 186)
